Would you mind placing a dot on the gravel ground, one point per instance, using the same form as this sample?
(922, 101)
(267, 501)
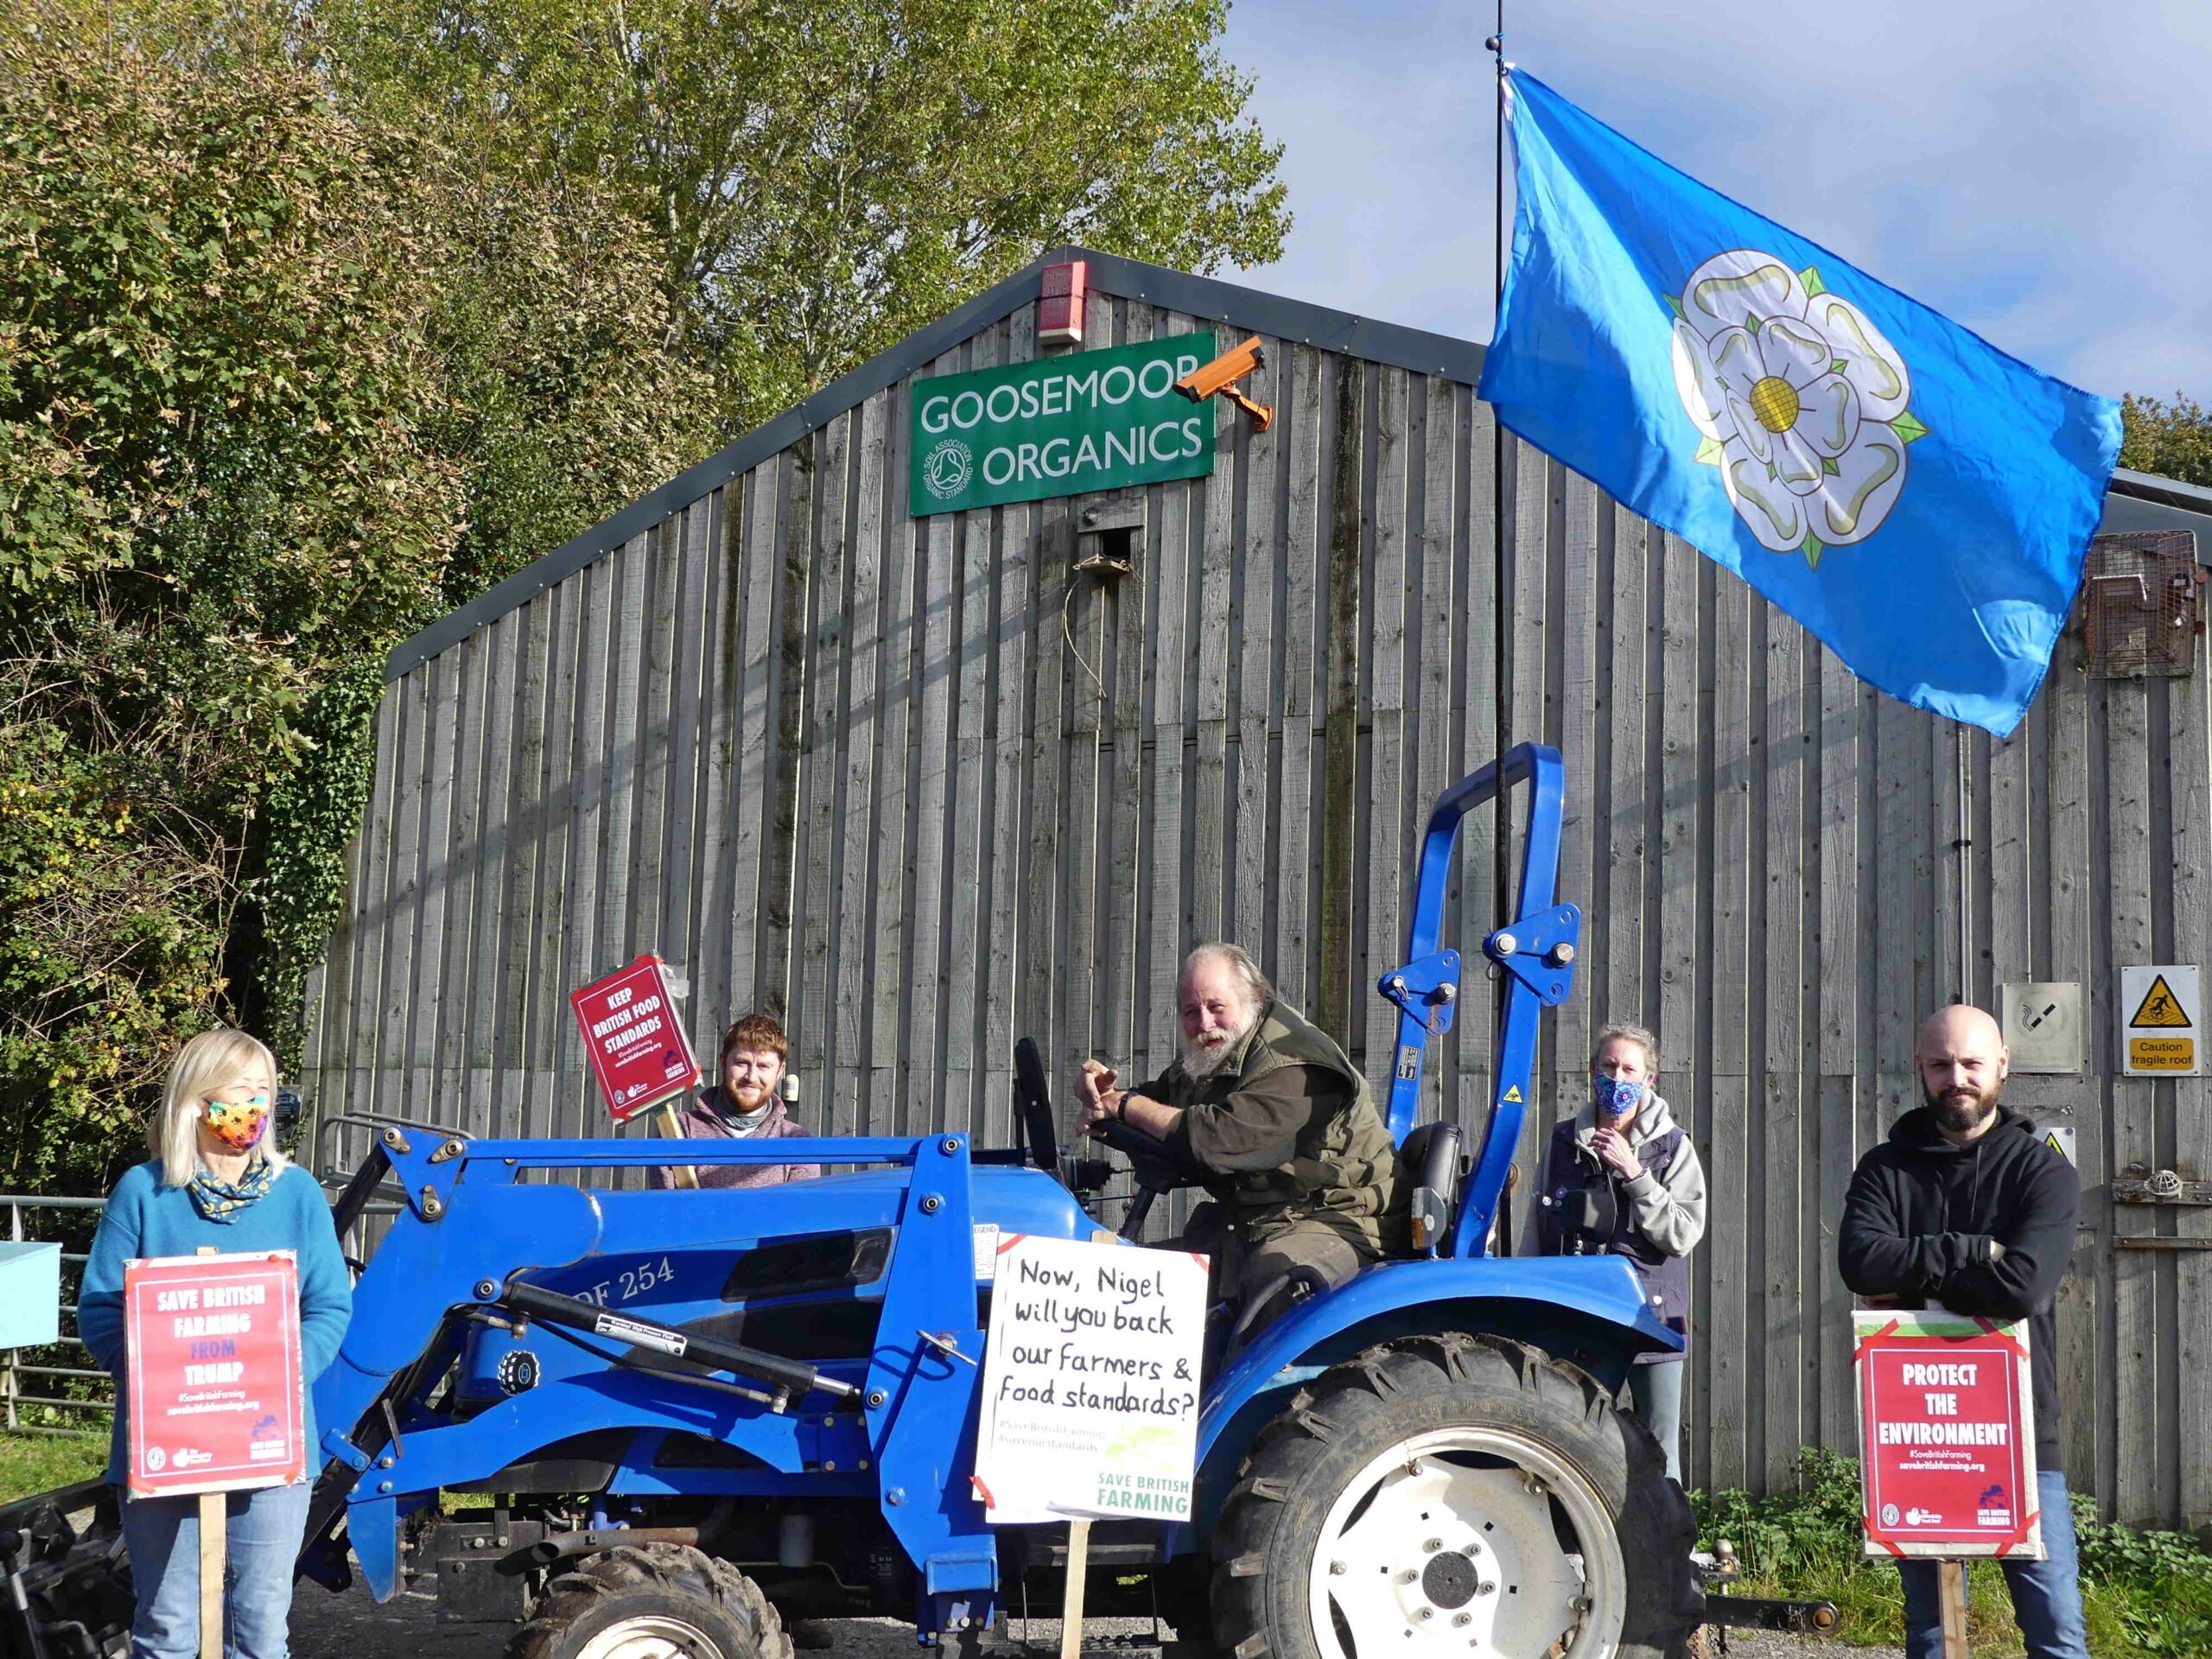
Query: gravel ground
(351, 1626)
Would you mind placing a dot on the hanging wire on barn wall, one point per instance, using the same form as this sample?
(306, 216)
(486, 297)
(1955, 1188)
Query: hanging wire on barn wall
(2140, 596)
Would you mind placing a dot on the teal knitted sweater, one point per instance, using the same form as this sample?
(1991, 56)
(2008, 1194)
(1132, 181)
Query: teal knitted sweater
(145, 1218)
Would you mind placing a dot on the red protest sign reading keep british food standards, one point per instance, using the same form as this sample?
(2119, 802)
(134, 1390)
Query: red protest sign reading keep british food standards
(1946, 1435)
(214, 1390)
(638, 1047)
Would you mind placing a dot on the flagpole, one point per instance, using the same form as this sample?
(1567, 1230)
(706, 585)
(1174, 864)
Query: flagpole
(1502, 737)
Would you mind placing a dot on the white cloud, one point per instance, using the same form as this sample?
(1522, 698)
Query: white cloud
(2038, 172)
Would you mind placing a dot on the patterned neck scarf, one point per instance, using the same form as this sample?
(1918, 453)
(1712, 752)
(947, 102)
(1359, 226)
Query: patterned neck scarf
(225, 1201)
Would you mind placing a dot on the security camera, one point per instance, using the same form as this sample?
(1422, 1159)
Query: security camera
(1224, 371)
(1219, 377)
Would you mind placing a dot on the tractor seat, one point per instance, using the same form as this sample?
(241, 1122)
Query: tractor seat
(1435, 1164)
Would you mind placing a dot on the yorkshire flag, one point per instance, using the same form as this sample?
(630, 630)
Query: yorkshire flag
(1920, 501)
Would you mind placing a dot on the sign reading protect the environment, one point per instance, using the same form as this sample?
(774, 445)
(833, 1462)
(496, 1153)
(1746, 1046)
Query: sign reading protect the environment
(1060, 426)
(1946, 1435)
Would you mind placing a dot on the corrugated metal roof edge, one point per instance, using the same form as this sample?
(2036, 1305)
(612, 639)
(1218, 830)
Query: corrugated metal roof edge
(1413, 349)
(2167, 492)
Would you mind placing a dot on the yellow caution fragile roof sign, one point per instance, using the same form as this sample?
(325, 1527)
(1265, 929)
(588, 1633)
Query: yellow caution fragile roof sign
(2162, 1009)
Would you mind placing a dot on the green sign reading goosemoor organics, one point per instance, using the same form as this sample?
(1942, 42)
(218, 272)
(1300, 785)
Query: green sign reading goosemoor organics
(1060, 426)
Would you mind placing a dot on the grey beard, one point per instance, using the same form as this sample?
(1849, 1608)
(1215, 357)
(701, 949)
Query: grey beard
(1202, 1061)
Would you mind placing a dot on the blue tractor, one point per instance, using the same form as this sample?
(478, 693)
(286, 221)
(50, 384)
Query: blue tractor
(687, 1410)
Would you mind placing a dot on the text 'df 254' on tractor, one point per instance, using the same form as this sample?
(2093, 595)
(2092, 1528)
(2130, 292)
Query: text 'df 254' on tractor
(689, 1410)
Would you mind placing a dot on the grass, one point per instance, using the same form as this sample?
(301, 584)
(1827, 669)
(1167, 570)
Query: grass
(2143, 1593)
(30, 1464)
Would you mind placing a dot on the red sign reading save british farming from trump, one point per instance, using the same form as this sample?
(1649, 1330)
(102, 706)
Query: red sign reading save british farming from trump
(213, 1376)
(638, 1048)
(1946, 1435)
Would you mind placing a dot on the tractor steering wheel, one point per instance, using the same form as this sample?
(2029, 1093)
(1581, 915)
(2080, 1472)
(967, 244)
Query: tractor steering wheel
(1032, 1101)
(1156, 1172)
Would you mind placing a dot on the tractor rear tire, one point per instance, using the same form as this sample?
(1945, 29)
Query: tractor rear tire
(1454, 1496)
(652, 1601)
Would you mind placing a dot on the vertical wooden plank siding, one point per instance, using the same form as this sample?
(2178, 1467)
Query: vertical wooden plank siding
(2188, 731)
(1778, 1290)
(1374, 1023)
(2126, 799)
(1124, 827)
(843, 763)
(1294, 940)
(822, 849)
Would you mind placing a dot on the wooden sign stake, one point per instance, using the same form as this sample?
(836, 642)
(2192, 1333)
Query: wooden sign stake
(214, 1560)
(672, 1128)
(1951, 1591)
(214, 1557)
(1071, 1610)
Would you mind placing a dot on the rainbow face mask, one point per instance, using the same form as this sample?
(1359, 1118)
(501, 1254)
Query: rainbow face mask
(239, 1124)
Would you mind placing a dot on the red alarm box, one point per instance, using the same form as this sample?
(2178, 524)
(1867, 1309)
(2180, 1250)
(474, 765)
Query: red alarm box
(1059, 303)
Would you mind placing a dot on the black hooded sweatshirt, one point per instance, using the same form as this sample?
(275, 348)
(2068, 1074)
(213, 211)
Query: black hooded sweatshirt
(1919, 1223)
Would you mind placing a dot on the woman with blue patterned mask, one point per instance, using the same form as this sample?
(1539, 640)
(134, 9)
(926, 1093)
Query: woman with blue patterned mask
(1621, 1179)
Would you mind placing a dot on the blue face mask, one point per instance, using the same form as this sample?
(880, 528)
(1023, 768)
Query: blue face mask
(1615, 1096)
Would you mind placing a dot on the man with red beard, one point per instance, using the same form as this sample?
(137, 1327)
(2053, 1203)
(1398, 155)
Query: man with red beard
(1267, 1114)
(745, 1104)
(1968, 1208)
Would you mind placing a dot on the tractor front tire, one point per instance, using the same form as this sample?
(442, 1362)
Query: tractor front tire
(652, 1601)
(1454, 1496)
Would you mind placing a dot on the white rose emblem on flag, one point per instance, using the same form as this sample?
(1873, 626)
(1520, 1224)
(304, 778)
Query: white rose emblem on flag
(1799, 399)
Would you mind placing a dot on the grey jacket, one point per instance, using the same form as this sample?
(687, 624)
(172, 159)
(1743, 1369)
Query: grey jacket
(1661, 1213)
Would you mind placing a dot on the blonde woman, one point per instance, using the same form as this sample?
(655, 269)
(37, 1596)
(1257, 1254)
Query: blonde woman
(215, 1180)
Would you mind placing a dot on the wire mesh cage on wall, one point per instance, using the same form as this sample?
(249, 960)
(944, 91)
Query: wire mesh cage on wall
(2139, 593)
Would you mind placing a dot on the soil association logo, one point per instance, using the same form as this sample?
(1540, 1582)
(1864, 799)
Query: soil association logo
(949, 468)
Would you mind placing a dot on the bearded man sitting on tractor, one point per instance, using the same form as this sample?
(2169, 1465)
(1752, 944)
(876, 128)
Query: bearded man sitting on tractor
(1264, 1110)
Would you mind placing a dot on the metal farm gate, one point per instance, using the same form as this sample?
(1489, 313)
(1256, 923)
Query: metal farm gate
(917, 787)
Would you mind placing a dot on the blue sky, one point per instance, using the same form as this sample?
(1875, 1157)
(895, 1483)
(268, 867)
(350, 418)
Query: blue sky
(2040, 173)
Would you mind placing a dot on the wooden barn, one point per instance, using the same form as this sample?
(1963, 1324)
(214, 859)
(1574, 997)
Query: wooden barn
(866, 730)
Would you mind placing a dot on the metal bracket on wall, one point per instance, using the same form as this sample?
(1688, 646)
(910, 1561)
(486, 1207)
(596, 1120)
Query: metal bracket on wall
(2162, 1186)
(1109, 529)
(2161, 1244)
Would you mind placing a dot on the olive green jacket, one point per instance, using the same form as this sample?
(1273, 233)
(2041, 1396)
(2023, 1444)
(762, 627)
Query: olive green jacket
(1285, 1130)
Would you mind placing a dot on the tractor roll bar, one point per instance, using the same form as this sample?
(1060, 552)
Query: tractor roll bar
(1535, 952)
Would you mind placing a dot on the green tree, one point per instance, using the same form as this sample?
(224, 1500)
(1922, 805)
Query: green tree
(278, 383)
(823, 176)
(2172, 440)
(214, 486)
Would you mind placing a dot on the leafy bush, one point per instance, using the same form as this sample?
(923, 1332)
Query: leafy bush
(2143, 1592)
(2158, 1585)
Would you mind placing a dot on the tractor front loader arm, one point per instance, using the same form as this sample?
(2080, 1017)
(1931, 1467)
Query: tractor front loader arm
(475, 1245)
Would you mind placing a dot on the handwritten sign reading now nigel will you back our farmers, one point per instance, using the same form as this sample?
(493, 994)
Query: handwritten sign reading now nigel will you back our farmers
(1091, 1382)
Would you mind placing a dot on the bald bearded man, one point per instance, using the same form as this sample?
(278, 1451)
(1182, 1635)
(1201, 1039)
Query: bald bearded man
(1965, 1205)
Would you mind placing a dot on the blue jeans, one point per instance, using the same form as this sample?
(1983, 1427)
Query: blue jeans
(266, 1528)
(2046, 1594)
(1654, 1394)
